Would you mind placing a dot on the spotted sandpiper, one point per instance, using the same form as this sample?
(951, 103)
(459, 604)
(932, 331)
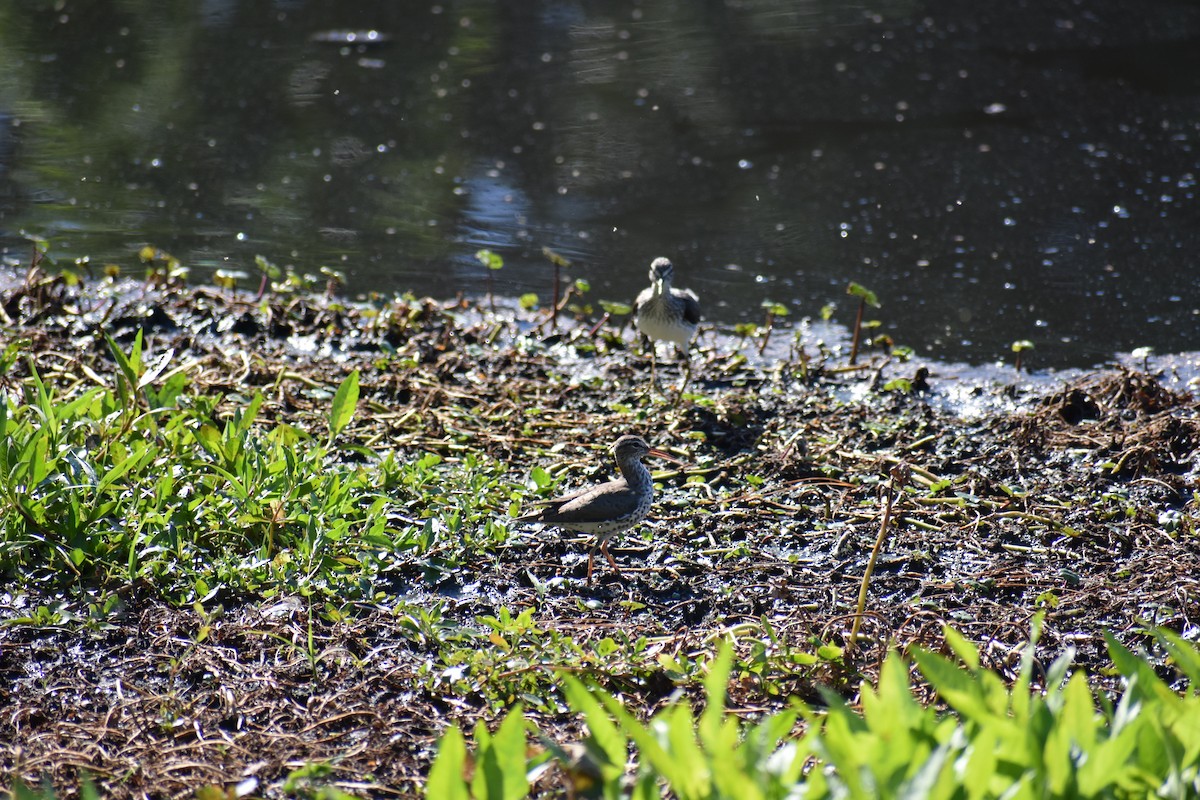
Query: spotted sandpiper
(664, 313)
(609, 508)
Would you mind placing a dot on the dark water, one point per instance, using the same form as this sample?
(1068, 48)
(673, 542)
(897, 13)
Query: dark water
(993, 171)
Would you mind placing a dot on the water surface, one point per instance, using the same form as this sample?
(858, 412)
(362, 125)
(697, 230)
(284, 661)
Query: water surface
(993, 172)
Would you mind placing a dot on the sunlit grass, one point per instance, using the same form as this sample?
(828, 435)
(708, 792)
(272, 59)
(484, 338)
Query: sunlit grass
(105, 486)
(1048, 735)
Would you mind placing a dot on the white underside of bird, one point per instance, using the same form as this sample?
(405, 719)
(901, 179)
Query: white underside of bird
(660, 327)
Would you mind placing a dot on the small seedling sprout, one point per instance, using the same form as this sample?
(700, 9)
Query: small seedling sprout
(560, 263)
(773, 310)
(865, 298)
(1020, 347)
(228, 278)
(493, 262)
(334, 280)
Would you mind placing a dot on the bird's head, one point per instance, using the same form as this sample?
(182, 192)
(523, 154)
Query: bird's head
(630, 446)
(661, 269)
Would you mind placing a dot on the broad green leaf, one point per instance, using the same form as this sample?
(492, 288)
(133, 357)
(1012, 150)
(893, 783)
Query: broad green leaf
(977, 765)
(344, 403)
(1184, 653)
(541, 479)
(244, 418)
(604, 732)
(960, 689)
(615, 308)
(862, 292)
(1078, 716)
(690, 776)
(652, 754)
(489, 259)
(966, 652)
(715, 684)
(1143, 681)
(446, 775)
(210, 439)
(892, 703)
(38, 465)
(500, 760)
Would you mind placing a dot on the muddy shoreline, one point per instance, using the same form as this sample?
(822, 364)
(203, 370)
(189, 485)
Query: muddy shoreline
(1074, 496)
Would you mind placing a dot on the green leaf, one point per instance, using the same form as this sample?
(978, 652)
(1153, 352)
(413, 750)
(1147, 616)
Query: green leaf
(603, 731)
(966, 652)
(38, 464)
(891, 704)
(981, 763)
(273, 272)
(715, 684)
(862, 292)
(541, 479)
(344, 403)
(775, 309)
(446, 775)
(689, 769)
(615, 308)
(500, 760)
(555, 259)
(3, 434)
(1184, 653)
(143, 453)
(489, 259)
(1022, 345)
(653, 755)
(244, 418)
(210, 439)
(960, 689)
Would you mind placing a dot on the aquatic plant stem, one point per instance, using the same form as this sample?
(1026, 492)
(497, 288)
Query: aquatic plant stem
(895, 485)
(862, 304)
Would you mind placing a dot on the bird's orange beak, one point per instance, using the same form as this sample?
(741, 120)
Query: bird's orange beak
(665, 456)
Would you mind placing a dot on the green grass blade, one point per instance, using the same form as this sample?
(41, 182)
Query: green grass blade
(344, 403)
(127, 364)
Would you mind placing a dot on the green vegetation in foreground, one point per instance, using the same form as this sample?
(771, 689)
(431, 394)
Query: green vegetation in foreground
(1056, 740)
(143, 484)
(1048, 738)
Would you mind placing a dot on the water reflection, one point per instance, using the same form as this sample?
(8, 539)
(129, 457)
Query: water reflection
(992, 173)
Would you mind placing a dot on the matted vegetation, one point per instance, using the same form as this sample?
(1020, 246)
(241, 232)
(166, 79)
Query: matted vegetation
(266, 541)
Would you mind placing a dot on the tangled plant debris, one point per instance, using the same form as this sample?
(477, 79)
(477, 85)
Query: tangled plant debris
(345, 622)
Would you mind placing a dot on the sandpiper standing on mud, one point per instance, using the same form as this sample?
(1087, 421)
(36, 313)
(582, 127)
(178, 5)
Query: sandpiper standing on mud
(664, 313)
(609, 508)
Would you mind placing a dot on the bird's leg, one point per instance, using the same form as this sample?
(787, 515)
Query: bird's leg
(591, 561)
(686, 369)
(608, 555)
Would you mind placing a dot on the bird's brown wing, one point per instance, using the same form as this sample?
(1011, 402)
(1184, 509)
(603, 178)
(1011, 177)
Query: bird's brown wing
(588, 505)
